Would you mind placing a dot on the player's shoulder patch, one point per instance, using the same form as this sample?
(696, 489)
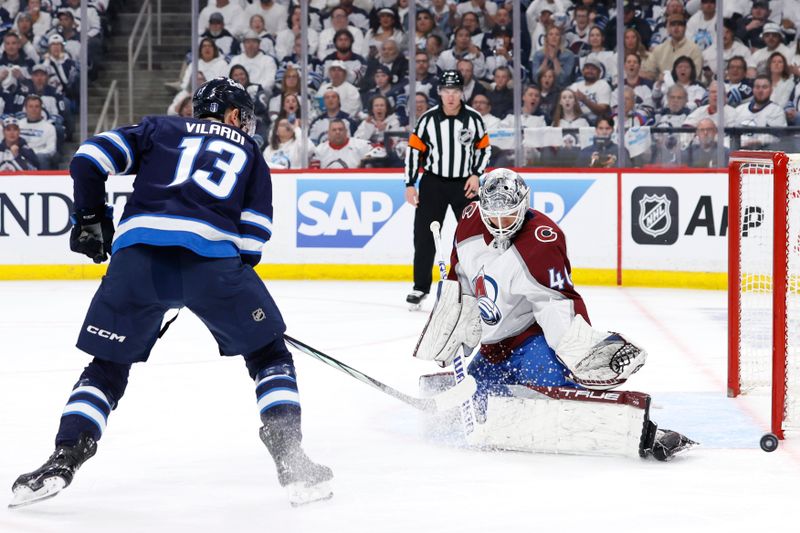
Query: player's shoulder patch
(539, 231)
(545, 234)
(470, 223)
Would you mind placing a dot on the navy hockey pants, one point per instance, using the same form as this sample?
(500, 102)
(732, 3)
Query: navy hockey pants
(144, 282)
(124, 320)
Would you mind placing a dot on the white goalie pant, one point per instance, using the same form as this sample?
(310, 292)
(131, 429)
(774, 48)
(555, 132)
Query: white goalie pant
(565, 420)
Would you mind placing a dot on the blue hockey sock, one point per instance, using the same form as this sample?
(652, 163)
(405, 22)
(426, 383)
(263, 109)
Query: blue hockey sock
(276, 391)
(93, 397)
(86, 411)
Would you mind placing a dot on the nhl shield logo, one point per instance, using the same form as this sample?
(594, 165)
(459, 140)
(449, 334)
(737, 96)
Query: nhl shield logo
(465, 136)
(259, 315)
(654, 217)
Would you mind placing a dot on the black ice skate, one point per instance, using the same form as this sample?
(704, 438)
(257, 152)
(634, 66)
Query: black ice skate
(664, 444)
(304, 480)
(53, 476)
(415, 299)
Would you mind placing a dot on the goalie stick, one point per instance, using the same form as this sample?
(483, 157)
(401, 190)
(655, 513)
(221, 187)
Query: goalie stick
(459, 370)
(442, 402)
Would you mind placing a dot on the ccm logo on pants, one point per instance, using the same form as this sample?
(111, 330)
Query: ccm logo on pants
(94, 330)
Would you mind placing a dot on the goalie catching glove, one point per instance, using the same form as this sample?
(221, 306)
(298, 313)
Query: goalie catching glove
(598, 359)
(454, 321)
(92, 232)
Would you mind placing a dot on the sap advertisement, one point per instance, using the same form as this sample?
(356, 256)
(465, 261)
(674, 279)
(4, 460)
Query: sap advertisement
(352, 219)
(359, 217)
(675, 222)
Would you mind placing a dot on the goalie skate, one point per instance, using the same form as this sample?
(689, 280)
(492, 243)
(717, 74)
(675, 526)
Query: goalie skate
(665, 444)
(415, 299)
(54, 475)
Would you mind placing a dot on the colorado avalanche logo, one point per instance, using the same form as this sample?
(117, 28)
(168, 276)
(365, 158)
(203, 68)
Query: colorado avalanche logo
(485, 289)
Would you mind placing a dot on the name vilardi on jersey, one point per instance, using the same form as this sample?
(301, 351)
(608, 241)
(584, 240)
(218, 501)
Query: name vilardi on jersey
(206, 128)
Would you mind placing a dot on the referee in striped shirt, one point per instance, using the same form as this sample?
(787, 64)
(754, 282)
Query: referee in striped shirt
(451, 147)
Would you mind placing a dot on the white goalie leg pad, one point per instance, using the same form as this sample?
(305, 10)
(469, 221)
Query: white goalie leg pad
(454, 321)
(598, 359)
(569, 421)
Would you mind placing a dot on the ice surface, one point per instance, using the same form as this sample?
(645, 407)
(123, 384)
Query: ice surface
(182, 453)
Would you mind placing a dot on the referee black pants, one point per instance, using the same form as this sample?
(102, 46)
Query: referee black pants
(435, 194)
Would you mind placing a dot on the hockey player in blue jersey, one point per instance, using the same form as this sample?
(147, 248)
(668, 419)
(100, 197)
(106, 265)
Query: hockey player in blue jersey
(200, 212)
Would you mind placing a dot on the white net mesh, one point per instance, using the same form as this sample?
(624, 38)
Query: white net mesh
(756, 257)
(755, 263)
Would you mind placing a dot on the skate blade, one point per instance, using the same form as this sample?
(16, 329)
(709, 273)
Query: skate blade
(300, 494)
(25, 496)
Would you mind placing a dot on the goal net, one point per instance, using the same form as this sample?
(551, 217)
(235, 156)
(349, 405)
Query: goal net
(764, 281)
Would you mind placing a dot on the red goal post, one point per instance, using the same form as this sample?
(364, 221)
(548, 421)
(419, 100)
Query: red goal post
(764, 281)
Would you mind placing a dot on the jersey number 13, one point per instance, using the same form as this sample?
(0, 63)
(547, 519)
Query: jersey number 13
(229, 167)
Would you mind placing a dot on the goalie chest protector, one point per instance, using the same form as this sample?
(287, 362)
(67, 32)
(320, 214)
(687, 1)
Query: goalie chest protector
(531, 278)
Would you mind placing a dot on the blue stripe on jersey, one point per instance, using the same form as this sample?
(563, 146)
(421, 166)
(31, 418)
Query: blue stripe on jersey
(256, 233)
(97, 145)
(259, 226)
(257, 219)
(117, 141)
(192, 241)
(94, 162)
(165, 224)
(197, 235)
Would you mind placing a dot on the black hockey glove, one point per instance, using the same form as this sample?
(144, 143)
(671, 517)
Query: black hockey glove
(92, 232)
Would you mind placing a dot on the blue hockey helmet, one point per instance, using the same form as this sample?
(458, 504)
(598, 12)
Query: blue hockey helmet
(216, 96)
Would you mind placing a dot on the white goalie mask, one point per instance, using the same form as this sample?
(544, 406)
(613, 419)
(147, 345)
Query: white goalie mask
(503, 203)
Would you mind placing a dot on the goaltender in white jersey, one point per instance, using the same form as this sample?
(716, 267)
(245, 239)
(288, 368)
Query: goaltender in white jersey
(543, 373)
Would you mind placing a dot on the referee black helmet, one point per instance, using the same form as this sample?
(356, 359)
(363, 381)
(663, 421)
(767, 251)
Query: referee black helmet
(451, 79)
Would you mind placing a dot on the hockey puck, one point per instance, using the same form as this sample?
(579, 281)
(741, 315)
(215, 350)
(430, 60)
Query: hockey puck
(769, 442)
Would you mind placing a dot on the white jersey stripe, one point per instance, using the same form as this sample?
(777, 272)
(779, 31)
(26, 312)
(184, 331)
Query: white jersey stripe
(120, 143)
(170, 223)
(257, 219)
(250, 244)
(97, 155)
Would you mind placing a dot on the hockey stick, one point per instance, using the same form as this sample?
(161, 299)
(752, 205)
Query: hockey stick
(442, 402)
(459, 370)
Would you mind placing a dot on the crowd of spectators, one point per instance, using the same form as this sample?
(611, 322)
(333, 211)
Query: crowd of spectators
(358, 67)
(40, 75)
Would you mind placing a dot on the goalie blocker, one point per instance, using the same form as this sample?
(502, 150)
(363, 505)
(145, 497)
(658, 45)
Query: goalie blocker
(570, 421)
